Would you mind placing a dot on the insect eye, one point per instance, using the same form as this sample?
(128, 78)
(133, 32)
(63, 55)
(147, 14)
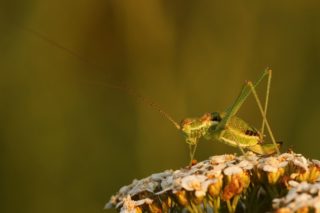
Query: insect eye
(216, 117)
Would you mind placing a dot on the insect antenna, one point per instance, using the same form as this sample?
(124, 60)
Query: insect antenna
(58, 45)
(142, 99)
(123, 88)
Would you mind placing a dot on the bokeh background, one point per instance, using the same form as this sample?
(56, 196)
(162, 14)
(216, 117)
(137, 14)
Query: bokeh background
(68, 143)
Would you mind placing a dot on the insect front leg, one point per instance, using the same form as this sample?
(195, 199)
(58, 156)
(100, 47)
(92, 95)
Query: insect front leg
(192, 148)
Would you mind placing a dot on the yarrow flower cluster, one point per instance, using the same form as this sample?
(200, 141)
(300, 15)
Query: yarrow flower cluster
(302, 197)
(227, 183)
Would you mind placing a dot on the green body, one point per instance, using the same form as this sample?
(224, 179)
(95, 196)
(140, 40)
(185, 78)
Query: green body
(226, 127)
(237, 132)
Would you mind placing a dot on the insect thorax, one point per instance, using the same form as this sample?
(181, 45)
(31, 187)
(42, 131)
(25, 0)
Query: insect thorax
(196, 128)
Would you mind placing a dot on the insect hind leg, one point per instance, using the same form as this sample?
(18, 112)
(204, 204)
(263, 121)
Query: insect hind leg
(266, 101)
(234, 108)
(255, 94)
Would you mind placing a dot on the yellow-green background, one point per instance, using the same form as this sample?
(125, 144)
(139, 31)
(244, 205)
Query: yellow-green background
(67, 144)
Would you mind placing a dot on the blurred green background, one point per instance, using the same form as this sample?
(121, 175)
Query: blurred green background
(68, 144)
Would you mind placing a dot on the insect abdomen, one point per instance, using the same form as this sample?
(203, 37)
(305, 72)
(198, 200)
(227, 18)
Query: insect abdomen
(239, 133)
(236, 138)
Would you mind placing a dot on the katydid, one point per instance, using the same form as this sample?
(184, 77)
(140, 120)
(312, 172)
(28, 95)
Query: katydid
(230, 129)
(225, 126)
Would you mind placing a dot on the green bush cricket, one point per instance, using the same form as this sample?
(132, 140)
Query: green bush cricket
(224, 127)
(230, 129)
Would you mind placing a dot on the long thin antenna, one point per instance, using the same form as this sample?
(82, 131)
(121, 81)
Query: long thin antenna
(142, 99)
(58, 45)
(126, 89)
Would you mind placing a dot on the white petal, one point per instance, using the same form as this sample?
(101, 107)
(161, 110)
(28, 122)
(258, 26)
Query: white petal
(231, 170)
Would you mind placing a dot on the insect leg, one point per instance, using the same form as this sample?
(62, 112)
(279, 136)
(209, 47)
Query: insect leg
(245, 92)
(266, 101)
(192, 151)
(241, 149)
(252, 87)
